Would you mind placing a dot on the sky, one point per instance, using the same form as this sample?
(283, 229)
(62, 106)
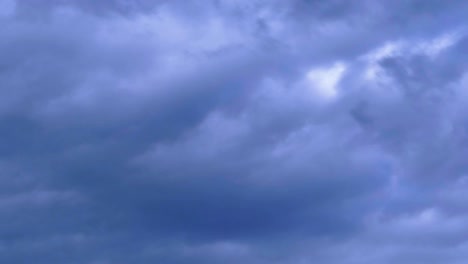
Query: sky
(233, 131)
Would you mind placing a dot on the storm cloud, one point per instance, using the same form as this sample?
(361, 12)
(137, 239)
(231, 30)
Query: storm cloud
(233, 131)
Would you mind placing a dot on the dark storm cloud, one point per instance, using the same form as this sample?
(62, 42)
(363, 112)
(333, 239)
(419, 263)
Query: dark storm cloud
(232, 131)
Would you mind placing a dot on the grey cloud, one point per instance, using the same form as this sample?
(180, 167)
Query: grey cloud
(181, 131)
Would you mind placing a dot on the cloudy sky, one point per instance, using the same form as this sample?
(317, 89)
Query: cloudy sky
(233, 131)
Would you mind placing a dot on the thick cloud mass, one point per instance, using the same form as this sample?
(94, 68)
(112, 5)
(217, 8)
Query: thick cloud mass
(233, 131)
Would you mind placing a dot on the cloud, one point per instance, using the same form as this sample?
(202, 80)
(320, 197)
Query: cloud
(232, 132)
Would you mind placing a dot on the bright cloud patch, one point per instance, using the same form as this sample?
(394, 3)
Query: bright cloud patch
(324, 81)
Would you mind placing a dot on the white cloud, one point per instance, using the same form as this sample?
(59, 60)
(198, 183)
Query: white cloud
(324, 81)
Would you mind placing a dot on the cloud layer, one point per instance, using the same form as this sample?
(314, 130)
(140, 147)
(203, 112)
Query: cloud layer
(233, 131)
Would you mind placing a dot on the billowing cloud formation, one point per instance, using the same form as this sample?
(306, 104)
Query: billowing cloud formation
(233, 131)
